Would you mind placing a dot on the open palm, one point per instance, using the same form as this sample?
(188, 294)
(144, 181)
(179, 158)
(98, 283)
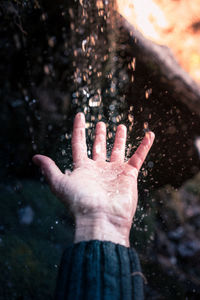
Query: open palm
(97, 189)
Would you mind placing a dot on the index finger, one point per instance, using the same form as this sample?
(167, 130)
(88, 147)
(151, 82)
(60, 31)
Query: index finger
(79, 147)
(140, 154)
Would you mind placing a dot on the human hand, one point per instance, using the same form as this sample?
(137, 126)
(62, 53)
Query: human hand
(101, 195)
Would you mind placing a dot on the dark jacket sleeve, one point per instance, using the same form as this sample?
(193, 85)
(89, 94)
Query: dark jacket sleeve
(97, 270)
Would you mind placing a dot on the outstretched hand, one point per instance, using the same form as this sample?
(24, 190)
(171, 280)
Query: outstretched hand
(101, 195)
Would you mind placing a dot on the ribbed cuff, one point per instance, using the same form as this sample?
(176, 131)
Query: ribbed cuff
(99, 270)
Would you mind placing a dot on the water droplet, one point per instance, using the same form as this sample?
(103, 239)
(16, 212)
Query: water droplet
(63, 152)
(95, 101)
(84, 211)
(150, 164)
(84, 42)
(130, 118)
(133, 64)
(148, 93)
(112, 107)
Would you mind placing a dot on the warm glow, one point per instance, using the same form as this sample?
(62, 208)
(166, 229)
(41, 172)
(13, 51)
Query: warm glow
(175, 24)
(145, 14)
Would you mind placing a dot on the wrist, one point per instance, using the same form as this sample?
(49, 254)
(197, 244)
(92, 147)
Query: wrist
(100, 227)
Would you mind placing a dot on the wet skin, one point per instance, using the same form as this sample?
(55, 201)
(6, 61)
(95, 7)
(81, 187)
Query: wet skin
(101, 195)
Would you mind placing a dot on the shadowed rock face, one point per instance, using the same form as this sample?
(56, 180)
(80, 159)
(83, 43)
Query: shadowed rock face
(64, 57)
(175, 124)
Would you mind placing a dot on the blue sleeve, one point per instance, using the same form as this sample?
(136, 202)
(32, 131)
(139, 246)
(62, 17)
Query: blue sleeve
(99, 270)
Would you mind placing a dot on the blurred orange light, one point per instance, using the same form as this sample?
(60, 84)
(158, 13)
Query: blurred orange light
(175, 24)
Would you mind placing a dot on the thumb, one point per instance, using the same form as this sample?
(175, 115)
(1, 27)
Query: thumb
(48, 168)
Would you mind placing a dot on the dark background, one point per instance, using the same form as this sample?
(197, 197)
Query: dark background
(58, 58)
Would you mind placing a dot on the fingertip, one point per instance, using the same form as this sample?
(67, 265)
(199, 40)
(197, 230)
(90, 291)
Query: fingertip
(122, 127)
(48, 168)
(79, 120)
(101, 123)
(121, 131)
(36, 159)
(41, 160)
(80, 116)
(150, 135)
